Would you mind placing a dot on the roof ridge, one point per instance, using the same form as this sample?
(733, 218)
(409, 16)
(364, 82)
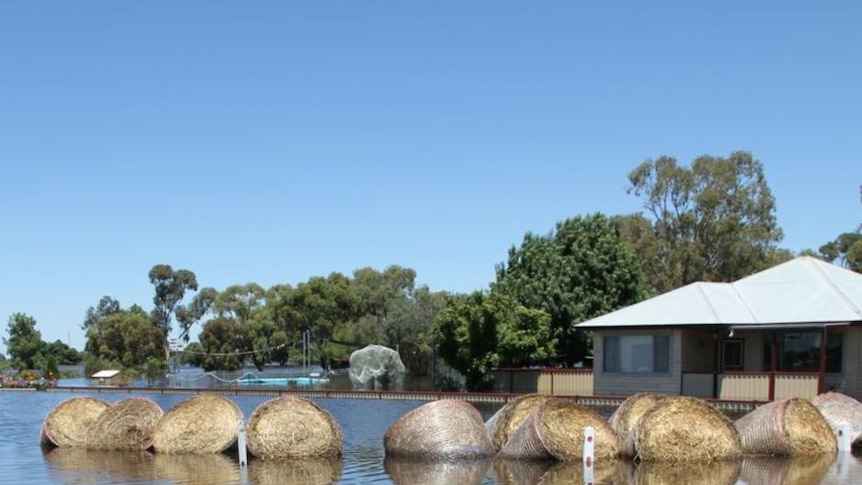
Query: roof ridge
(699, 285)
(744, 303)
(815, 263)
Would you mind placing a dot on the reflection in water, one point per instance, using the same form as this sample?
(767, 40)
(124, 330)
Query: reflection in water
(786, 471)
(404, 471)
(661, 473)
(204, 469)
(846, 470)
(533, 472)
(79, 465)
(310, 471)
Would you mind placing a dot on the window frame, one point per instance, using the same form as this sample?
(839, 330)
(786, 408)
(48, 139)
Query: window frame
(667, 363)
(737, 367)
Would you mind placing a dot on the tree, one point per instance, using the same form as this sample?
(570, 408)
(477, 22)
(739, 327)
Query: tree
(107, 306)
(580, 270)
(197, 309)
(846, 249)
(478, 331)
(409, 327)
(170, 286)
(24, 343)
(714, 221)
(222, 340)
(126, 338)
(64, 354)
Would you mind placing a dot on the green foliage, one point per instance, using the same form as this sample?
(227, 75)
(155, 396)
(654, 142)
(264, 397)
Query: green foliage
(62, 353)
(478, 331)
(24, 344)
(195, 311)
(713, 221)
(223, 341)
(193, 355)
(170, 287)
(580, 270)
(125, 338)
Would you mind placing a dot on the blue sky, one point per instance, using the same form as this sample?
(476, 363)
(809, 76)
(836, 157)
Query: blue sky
(274, 141)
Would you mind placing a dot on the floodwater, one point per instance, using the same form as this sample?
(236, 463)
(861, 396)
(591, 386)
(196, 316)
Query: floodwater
(364, 422)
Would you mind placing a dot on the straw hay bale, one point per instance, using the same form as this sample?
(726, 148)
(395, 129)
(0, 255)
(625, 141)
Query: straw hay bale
(723, 472)
(838, 408)
(206, 423)
(409, 471)
(127, 425)
(307, 471)
(555, 430)
(445, 429)
(627, 416)
(509, 417)
(787, 427)
(68, 424)
(190, 469)
(686, 429)
(544, 472)
(81, 465)
(293, 427)
(786, 470)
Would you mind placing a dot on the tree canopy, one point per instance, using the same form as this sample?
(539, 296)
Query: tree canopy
(846, 249)
(24, 343)
(580, 270)
(479, 331)
(712, 221)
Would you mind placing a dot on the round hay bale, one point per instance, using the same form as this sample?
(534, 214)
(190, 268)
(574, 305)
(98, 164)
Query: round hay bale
(408, 471)
(293, 427)
(788, 427)
(81, 465)
(509, 417)
(127, 425)
(68, 424)
(445, 429)
(308, 471)
(724, 472)
(837, 409)
(206, 423)
(191, 469)
(686, 429)
(787, 470)
(627, 416)
(555, 430)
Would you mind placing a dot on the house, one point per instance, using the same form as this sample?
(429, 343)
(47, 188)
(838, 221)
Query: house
(105, 377)
(792, 330)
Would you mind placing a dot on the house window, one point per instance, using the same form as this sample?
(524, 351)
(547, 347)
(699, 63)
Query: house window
(732, 356)
(800, 351)
(640, 354)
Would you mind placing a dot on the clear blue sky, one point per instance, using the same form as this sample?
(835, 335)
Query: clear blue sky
(274, 141)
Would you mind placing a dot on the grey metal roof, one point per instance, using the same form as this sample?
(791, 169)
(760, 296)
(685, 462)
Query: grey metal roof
(802, 290)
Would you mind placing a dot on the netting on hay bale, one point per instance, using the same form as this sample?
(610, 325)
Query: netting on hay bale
(788, 427)
(202, 424)
(446, 429)
(293, 427)
(555, 430)
(627, 416)
(508, 418)
(202, 469)
(376, 367)
(306, 471)
(408, 471)
(760, 470)
(686, 429)
(723, 472)
(127, 425)
(838, 408)
(68, 424)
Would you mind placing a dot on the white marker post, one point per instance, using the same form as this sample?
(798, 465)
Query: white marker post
(845, 448)
(240, 444)
(589, 455)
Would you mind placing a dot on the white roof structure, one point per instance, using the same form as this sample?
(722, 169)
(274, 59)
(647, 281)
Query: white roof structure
(804, 290)
(104, 374)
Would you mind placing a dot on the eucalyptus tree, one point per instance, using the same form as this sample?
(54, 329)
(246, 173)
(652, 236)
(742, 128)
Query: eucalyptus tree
(846, 249)
(24, 342)
(712, 221)
(170, 287)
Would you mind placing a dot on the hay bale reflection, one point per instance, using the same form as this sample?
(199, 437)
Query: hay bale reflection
(202, 469)
(714, 473)
(407, 471)
(845, 470)
(81, 465)
(786, 471)
(544, 472)
(307, 471)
